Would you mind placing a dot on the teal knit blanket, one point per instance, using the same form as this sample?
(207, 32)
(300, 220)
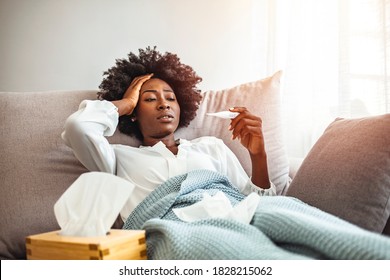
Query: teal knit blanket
(282, 227)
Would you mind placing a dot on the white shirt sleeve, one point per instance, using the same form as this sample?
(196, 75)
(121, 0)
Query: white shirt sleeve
(236, 173)
(250, 187)
(85, 132)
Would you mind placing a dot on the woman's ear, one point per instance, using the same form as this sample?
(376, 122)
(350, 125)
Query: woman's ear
(133, 118)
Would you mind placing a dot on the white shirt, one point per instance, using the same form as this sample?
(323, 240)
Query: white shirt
(146, 167)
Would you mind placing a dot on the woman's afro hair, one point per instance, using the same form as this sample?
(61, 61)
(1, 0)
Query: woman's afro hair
(167, 67)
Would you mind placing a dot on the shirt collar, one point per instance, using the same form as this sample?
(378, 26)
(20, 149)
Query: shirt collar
(160, 148)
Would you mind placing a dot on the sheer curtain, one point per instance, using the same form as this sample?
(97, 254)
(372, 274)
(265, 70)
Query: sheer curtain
(335, 55)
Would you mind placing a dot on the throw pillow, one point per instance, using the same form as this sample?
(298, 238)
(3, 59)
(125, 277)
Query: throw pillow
(263, 99)
(347, 172)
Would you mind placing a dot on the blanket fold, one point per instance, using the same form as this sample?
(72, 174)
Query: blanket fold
(282, 227)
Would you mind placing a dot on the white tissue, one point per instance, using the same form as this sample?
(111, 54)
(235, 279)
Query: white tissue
(219, 206)
(90, 206)
(224, 114)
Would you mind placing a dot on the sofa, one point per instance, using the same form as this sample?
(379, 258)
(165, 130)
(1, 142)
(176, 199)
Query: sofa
(347, 172)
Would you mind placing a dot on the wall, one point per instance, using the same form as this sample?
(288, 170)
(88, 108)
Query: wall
(67, 44)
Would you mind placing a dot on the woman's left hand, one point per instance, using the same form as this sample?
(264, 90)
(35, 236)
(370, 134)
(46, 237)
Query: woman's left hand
(248, 129)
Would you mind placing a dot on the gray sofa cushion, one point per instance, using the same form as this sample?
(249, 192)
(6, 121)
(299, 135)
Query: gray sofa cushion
(35, 166)
(347, 172)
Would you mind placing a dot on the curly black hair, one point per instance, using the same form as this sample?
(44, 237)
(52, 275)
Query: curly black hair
(167, 67)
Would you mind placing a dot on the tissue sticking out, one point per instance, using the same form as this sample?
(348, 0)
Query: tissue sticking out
(91, 204)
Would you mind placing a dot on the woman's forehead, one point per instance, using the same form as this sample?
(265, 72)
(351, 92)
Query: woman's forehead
(155, 83)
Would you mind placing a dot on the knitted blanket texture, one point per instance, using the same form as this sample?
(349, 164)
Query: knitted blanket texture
(282, 227)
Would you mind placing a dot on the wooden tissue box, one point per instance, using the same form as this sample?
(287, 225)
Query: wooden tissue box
(117, 244)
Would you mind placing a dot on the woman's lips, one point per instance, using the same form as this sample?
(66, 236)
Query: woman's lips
(166, 118)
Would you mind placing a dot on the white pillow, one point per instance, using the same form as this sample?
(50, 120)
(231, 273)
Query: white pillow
(263, 99)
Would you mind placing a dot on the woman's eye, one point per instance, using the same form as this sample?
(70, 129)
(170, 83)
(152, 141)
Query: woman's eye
(170, 97)
(150, 99)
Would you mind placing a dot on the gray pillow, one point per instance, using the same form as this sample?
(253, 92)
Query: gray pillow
(347, 172)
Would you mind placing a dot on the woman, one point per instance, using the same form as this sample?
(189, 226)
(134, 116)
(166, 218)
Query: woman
(150, 96)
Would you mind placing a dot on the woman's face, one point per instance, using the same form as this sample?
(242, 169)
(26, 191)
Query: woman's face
(157, 111)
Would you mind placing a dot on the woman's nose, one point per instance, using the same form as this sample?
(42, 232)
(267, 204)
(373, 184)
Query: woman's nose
(163, 106)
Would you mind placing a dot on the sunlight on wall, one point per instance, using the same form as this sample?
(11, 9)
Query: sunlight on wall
(336, 61)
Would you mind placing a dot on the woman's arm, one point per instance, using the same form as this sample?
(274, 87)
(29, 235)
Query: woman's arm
(248, 129)
(85, 132)
(260, 175)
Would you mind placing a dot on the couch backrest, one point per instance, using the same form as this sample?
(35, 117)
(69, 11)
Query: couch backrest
(35, 166)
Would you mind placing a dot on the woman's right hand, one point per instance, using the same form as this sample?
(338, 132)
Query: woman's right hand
(130, 99)
(132, 92)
